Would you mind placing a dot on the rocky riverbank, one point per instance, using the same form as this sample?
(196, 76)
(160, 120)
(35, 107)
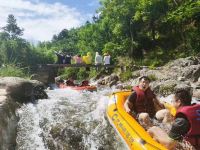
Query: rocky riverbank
(13, 93)
(180, 73)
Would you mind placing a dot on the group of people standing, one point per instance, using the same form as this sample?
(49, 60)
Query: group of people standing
(99, 60)
(66, 58)
(63, 58)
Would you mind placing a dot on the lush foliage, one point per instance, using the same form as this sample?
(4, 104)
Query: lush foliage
(139, 32)
(149, 32)
(12, 70)
(124, 76)
(81, 73)
(17, 51)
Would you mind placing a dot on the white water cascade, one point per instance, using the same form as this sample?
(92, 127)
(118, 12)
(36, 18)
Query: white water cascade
(67, 120)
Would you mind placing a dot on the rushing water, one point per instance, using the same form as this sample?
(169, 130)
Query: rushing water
(67, 120)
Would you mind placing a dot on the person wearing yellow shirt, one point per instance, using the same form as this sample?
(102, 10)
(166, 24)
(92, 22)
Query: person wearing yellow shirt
(87, 59)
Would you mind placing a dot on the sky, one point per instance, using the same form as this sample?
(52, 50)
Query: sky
(41, 19)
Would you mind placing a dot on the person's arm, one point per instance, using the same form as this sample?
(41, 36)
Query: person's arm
(157, 102)
(162, 137)
(128, 105)
(179, 128)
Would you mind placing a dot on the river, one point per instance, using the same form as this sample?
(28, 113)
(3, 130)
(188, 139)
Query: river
(67, 120)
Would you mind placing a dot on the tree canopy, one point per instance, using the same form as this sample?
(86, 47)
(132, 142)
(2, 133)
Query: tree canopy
(150, 31)
(138, 29)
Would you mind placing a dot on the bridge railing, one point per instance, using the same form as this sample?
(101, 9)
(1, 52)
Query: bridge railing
(76, 65)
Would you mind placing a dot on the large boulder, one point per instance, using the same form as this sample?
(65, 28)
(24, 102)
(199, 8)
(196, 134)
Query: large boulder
(183, 62)
(22, 90)
(13, 92)
(168, 87)
(192, 72)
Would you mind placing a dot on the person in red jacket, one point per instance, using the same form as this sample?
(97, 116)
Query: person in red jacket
(186, 124)
(141, 103)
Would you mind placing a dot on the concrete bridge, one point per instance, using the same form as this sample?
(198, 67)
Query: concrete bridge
(46, 73)
(78, 65)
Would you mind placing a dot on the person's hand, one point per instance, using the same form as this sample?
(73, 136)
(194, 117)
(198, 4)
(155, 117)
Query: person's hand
(128, 110)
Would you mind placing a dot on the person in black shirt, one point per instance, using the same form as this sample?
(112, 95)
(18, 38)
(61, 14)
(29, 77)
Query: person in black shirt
(141, 103)
(68, 58)
(185, 125)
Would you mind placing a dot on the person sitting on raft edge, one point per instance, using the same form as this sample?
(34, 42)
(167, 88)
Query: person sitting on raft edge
(186, 123)
(141, 102)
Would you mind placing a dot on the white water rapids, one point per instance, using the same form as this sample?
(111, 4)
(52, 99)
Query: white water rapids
(67, 120)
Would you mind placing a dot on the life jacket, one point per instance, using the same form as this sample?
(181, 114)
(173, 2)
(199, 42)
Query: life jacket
(70, 83)
(144, 101)
(85, 83)
(192, 113)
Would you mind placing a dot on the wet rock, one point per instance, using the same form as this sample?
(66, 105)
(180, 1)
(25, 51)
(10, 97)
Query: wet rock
(13, 91)
(119, 86)
(8, 123)
(112, 83)
(22, 90)
(109, 80)
(39, 91)
(3, 96)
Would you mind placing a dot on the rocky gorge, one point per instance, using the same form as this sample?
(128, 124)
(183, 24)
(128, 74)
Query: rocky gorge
(14, 92)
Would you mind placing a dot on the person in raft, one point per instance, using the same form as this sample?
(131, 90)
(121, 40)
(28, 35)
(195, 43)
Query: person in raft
(141, 103)
(186, 123)
(70, 82)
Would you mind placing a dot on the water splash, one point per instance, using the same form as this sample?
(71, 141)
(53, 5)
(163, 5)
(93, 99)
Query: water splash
(67, 120)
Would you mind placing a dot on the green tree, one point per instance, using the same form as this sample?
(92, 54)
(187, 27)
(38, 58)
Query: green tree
(12, 28)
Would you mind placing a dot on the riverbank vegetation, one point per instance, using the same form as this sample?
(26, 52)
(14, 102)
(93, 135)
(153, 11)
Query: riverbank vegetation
(144, 32)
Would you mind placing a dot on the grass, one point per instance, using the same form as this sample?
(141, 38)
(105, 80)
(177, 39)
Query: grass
(124, 76)
(11, 70)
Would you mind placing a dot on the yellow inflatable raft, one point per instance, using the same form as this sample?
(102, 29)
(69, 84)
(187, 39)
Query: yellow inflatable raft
(131, 132)
(170, 108)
